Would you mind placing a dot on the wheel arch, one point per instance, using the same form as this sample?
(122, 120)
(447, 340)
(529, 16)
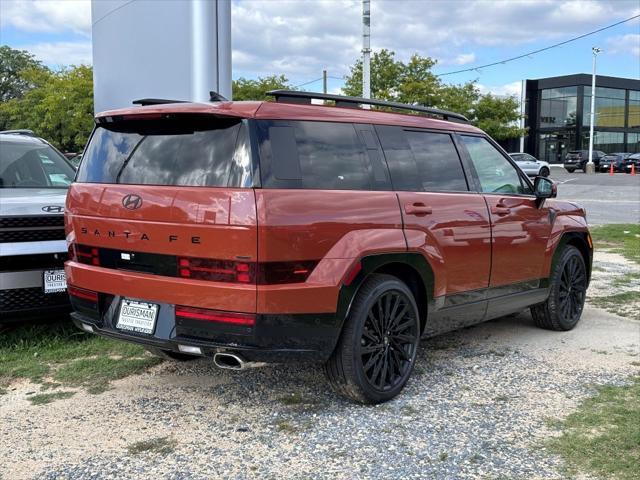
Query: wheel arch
(410, 267)
(580, 240)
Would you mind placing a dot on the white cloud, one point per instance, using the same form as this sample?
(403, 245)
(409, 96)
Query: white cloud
(629, 43)
(61, 53)
(512, 89)
(464, 59)
(47, 16)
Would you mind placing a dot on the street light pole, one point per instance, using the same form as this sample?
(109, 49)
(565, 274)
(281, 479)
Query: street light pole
(366, 50)
(590, 166)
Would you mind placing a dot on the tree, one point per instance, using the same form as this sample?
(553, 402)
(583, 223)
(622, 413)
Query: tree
(58, 107)
(13, 84)
(414, 83)
(245, 89)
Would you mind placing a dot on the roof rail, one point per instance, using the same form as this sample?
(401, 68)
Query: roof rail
(291, 96)
(155, 101)
(21, 131)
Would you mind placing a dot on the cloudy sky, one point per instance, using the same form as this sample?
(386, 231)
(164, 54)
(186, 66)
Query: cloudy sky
(300, 38)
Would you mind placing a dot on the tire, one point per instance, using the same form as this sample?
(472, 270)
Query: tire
(567, 292)
(544, 172)
(169, 355)
(381, 371)
(570, 170)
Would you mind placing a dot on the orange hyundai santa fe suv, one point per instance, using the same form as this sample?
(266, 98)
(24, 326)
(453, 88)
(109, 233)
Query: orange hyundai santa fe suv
(288, 231)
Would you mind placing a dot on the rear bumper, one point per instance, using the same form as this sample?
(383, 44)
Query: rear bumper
(273, 338)
(23, 304)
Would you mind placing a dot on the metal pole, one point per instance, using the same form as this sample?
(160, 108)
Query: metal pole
(522, 100)
(590, 165)
(324, 81)
(366, 49)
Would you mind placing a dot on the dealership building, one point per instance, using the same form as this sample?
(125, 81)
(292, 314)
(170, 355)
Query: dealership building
(557, 114)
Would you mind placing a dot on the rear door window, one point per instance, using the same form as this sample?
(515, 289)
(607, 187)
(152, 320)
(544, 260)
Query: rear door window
(422, 161)
(313, 155)
(185, 150)
(495, 172)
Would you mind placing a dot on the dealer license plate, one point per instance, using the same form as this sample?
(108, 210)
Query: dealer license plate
(138, 317)
(54, 281)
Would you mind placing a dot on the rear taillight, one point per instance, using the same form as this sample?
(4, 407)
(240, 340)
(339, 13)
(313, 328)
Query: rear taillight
(87, 255)
(216, 270)
(83, 294)
(205, 315)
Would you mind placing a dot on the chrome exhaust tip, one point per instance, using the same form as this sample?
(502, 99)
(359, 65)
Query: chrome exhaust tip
(230, 361)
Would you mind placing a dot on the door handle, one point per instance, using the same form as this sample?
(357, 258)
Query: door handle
(498, 210)
(417, 208)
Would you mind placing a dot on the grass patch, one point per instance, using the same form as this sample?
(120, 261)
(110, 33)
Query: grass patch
(160, 445)
(44, 398)
(38, 352)
(603, 436)
(94, 374)
(617, 303)
(613, 237)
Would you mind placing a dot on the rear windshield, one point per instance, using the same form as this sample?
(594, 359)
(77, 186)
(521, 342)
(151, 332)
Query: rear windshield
(182, 150)
(33, 165)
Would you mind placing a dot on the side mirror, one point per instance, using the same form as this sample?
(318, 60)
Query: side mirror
(544, 188)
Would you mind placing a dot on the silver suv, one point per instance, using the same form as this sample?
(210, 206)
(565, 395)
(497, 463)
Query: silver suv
(34, 178)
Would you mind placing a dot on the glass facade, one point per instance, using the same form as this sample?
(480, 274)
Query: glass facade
(558, 107)
(609, 107)
(633, 116)
(560, 120)
(608, 142)
(633, 142)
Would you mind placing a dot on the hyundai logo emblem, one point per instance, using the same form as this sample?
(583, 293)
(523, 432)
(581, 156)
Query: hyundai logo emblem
(132, 201)
(53, 209)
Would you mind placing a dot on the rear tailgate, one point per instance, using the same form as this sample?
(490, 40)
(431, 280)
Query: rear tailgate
(178, 240)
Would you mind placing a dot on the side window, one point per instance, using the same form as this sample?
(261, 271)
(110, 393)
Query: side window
(314, 155)
(496, 173)
(437, 161)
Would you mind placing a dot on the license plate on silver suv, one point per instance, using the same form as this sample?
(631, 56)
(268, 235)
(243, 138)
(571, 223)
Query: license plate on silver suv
(54, 281)
(138, 317)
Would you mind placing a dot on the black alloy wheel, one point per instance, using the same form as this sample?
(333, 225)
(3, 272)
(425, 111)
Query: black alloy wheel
(388, 341)
(568, 284)
(572, 289)
(378, 345)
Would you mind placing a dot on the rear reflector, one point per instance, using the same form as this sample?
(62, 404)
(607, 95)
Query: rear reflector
(190, 349)
(82, 293)
(206, 315)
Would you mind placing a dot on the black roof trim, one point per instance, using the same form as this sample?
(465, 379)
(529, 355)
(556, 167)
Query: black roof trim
(155, 101)
(292, 96)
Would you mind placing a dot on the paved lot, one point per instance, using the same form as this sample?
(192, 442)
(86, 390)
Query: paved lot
(608, 199)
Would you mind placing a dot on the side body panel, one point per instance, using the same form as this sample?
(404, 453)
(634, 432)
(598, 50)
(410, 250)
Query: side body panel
(334, 227)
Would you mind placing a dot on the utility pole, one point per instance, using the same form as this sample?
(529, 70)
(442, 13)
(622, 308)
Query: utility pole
(590, 166)
(366, 49)
(522, 110)
(324, 81)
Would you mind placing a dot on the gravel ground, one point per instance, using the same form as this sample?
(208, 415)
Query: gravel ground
(476, 407)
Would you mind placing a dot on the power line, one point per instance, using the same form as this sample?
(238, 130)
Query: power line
(501, 62)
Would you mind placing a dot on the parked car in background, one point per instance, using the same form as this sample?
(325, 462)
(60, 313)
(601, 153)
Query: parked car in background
(634, 160)
(285, 231)
(616, 159)
(75, 160)
(34, 178)
(531, 165)
(577, 160)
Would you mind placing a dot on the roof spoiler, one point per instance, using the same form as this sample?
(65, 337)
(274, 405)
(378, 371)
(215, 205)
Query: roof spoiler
(143, 102)
(292, 96)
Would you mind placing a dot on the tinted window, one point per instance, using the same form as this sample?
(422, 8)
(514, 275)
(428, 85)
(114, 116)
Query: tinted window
(29, 164)
(315, 155)
(437, 162)
(495, 172)
(193, 150)
(402, 163)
